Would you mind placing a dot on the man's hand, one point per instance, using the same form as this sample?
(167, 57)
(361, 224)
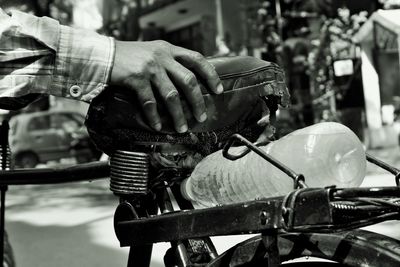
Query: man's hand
(160, 68)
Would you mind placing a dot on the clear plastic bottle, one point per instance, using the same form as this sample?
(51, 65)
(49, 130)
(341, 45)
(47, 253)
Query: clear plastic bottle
(326, 154)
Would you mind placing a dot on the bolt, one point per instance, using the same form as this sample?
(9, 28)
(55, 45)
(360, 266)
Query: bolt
(264, 217)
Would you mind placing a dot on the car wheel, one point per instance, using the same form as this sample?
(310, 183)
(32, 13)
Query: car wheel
(27, 160)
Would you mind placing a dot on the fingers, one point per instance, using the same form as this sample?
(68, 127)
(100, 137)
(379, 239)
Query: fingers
(149, 105)
(171, 99)
(188, 84)
(201, 66)
(148, 72)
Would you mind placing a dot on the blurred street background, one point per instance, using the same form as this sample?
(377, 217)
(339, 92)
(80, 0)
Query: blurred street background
(341, 59)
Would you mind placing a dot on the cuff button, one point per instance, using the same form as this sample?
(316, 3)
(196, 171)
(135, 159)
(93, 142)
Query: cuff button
(75, 91)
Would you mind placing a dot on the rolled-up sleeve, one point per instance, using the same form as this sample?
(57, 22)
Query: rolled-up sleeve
(38, 56)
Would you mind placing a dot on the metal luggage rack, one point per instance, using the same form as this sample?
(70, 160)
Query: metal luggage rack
(330, 209)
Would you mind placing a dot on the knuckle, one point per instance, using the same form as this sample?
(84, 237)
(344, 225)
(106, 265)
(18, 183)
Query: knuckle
(150, 66)
(162, 47)
(172, 96)
(209, 69)
(149, 106)
(145, 96)
(150, 62)
(132, 83)
(198, 57)
(199, 105)
(162, 43)
(190, 79)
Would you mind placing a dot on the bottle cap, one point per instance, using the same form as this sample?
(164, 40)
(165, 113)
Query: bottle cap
(184, 189)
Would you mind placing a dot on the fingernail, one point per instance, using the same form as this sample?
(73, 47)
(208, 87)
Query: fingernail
(183, 128)
(157, 126)
(220, 88)
(203, 117)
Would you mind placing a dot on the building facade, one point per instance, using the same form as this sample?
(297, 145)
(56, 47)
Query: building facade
(212, 27)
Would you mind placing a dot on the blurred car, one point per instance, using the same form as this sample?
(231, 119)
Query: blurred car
(45, 136)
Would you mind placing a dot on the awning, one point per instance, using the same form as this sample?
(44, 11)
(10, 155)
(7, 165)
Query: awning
(390, 19)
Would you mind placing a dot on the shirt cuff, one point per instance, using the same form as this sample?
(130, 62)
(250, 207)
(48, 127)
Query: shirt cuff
(82, 65)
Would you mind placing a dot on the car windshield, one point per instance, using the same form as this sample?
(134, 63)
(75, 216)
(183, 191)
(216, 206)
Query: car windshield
(39, 123)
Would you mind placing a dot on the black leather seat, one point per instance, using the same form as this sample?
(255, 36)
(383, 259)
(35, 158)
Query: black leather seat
(115, 122)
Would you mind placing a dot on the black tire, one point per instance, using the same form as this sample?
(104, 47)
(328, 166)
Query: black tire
(351, 248)
(27, 160)
(314, 263)
(9, 260)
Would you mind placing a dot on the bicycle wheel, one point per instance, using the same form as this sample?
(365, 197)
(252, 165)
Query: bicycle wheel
(354, 248)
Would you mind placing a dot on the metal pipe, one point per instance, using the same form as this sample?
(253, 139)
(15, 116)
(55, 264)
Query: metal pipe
(220, 20)
(385, 166)
(278, 17)
(5, 156)
(81, 172)
(270, 240)
(166, 206)
(298, 178)
(140, 255)
(2, 221)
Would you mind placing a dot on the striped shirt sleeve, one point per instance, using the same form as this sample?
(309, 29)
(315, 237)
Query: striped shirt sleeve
(38, 56)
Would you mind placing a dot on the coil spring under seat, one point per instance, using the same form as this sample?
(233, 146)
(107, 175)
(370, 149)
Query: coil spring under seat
(129, 173)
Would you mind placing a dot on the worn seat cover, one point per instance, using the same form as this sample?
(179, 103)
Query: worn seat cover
(115, 121)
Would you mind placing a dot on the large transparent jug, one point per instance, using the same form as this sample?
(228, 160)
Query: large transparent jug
(326, 154)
